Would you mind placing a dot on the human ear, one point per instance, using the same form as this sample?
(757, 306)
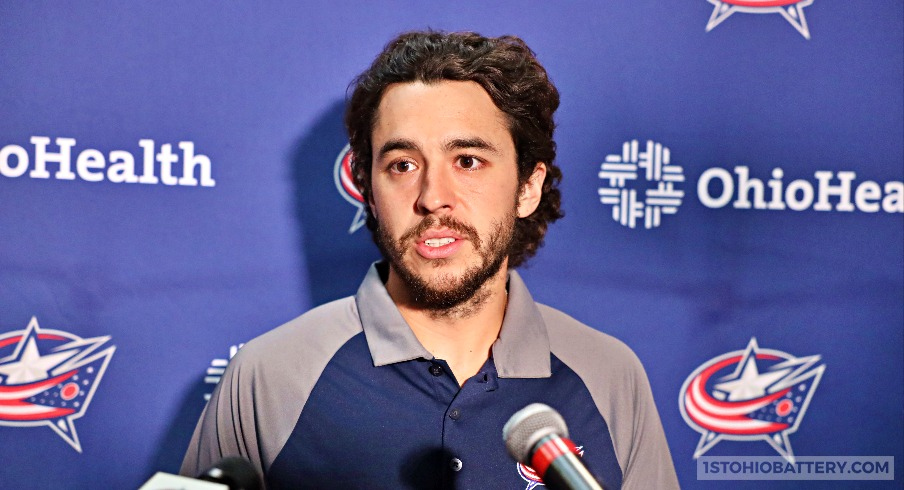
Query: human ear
(532, 191)
(371, 206)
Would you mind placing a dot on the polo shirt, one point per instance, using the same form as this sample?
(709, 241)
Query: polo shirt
(345, 396)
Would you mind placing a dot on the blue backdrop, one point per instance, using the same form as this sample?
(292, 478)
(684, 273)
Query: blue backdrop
(169, 190)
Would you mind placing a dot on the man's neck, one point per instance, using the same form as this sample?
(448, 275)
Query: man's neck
(463, 335)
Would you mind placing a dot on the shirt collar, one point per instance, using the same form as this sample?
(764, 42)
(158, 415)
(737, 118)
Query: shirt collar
(521, 351)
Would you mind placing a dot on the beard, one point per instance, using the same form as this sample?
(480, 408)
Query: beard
(447, 292)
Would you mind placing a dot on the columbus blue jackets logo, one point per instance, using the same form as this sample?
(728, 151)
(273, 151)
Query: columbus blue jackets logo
(791, 10)
(529, 475)
(48, 378)
(345, 184)
(750, 395)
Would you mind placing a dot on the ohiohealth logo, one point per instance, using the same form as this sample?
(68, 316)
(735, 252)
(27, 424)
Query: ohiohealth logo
(48, 377)
(153, 165)
(641, 183)
(791, 10)
(750, 395)
(345, 184)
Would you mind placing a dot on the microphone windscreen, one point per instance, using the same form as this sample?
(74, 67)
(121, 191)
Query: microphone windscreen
(528, 426)
(235, 472)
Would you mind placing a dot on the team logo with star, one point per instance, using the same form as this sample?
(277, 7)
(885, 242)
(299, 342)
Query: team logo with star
(791, 10)
(750, 395)
(48, 378)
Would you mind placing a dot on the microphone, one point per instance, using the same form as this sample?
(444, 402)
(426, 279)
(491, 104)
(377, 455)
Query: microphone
(537, 436)
(232, 473)
(235, 472)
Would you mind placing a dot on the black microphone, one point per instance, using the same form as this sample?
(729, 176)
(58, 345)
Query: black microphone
(537, 436)
(235, 472)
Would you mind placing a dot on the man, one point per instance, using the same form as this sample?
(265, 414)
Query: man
(408, 383)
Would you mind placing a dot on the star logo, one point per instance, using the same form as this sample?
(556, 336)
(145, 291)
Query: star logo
(750, 383)
(791, 10)
(750, 395)
(31, 366)
(48, 378)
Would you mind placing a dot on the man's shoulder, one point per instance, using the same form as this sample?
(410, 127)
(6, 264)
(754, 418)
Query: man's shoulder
(321, 330)
(618, 385)
(575, 342)
(267, 384)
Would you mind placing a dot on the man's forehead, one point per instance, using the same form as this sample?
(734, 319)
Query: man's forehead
(462, 109)
(437, 90)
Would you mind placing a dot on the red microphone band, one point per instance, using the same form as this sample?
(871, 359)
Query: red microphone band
(548, 451)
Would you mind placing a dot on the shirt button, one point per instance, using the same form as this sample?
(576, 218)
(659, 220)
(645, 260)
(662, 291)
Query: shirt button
(436, 370)
(455, 464)
(455, 414)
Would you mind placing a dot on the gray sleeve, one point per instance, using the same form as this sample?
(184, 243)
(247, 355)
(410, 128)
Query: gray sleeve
(226, 427)
(256, 405)
(618, 384)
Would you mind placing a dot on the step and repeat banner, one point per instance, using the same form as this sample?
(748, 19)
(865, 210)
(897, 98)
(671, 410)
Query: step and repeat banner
(173, 183)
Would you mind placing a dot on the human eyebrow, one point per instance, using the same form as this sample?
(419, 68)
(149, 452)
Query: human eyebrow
(470, 143)
(397, 144)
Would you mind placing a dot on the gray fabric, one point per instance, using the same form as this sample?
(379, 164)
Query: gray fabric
(522, 350)
(255, 407)
(620, 389)
(389, 338)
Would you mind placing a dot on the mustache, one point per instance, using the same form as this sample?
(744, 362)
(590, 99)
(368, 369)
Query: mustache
(443, 221)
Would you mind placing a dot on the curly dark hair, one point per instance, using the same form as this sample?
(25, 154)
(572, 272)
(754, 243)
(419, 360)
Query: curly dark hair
(516, 82)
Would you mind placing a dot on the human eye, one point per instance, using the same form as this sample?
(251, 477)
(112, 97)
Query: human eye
(469, 162)
(402, 167)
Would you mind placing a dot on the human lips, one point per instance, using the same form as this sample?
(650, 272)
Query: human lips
(438, 243)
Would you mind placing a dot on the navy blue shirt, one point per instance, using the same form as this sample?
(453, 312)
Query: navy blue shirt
(346, 397)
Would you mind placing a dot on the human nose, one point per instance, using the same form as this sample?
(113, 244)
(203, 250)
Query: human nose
(437, 190)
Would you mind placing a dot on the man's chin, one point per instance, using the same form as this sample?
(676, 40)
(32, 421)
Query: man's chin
(447, 286)
(445, 283)
(441, 290)
(446, 298)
